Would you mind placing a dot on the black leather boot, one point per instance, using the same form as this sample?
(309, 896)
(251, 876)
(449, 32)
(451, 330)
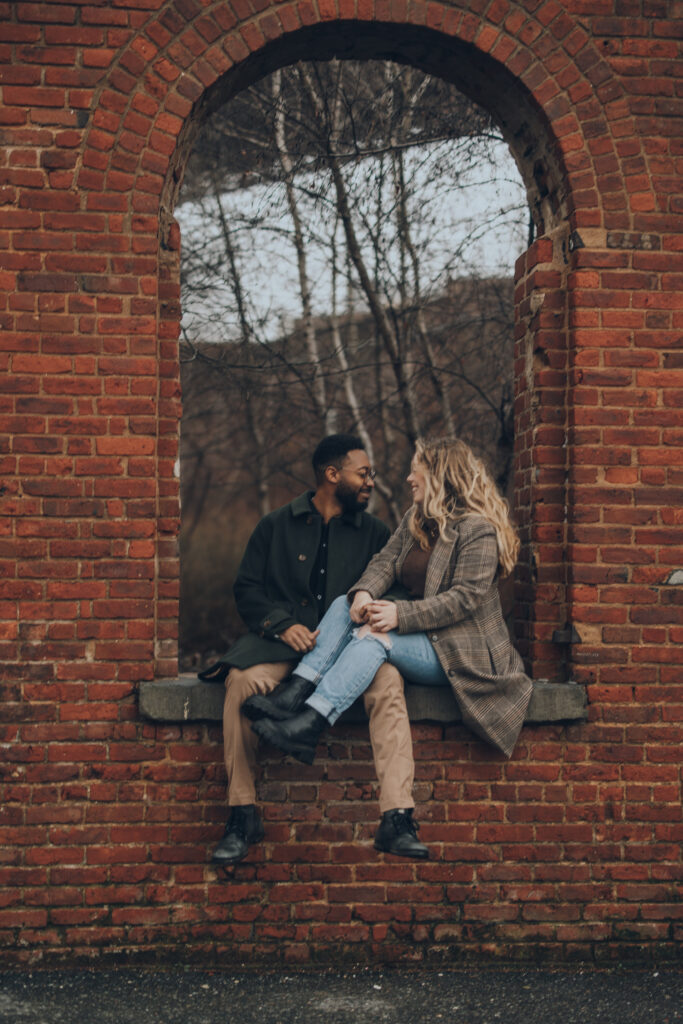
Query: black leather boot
(397, 833)
(286, 700)
(297, 736)
(244, 828)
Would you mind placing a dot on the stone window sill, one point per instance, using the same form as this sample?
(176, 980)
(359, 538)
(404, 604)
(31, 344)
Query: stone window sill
(187, 699)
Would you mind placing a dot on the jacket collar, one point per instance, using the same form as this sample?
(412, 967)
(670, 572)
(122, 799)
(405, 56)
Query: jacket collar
(303, 506)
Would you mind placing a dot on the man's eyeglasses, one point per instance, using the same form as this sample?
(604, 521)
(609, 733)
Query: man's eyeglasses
(366, 474)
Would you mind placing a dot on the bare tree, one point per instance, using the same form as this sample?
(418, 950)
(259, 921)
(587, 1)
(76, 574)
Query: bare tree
(331, 281)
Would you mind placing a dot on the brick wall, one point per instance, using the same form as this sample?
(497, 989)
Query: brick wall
(571, 849)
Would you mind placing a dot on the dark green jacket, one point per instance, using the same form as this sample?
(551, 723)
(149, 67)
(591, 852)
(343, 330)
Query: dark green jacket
(273, 584)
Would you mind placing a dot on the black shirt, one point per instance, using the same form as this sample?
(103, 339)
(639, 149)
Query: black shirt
(319, 570)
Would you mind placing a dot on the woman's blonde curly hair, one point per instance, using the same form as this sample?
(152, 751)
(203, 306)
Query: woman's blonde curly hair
(457, 483)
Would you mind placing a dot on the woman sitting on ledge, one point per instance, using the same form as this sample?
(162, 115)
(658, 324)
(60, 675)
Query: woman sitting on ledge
(447, 553)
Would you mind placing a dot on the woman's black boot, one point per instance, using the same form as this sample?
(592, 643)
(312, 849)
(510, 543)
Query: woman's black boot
(287, 699)
(297, 736)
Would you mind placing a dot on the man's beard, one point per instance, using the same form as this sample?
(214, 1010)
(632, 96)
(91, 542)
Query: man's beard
(351, 500)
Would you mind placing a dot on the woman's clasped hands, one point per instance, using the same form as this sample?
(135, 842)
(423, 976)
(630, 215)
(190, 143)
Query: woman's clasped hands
(380, 616)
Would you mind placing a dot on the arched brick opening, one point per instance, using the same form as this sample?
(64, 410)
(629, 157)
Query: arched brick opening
(528, 133)
(562, 114)
(569, 189)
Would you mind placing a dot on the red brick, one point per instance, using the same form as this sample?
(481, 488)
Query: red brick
(544, 845)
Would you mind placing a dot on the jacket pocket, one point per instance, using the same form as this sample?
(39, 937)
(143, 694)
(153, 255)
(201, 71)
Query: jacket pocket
(498, 657)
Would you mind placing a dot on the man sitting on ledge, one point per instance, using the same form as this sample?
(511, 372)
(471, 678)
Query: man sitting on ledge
(297, 561)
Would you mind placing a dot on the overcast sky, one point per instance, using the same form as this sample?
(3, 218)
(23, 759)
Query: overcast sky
(473, 224)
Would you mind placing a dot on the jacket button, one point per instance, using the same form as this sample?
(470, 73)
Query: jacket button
(451, 671)
(302, 558)
(309, 520)
(434, 639)
(304, 602)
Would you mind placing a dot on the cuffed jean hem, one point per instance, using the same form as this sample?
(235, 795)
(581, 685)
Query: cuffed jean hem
(307, 673)
(324, 707)
(333, 700)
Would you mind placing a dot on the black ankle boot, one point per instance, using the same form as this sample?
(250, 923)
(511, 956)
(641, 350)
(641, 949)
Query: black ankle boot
(397, 833)
(287, 699)
(244, 828)
(297, 736)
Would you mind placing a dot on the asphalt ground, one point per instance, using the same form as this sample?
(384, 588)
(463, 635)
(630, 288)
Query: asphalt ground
(620, 995)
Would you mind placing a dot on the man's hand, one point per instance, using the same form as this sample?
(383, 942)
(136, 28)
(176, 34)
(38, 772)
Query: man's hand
(358, 609)
(381, 616)
(299, 638)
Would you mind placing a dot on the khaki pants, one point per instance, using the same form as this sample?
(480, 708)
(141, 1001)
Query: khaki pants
(385, 704)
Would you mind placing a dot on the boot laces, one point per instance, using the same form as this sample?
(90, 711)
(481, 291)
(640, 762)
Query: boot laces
(239, 823)
(403, 822)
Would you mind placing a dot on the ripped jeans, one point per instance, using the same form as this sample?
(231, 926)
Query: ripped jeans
(342, 665)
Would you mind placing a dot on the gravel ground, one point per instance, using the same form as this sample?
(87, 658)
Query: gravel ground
(464, 996)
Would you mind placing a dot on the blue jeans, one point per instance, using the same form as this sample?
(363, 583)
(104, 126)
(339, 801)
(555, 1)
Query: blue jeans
(342, 665)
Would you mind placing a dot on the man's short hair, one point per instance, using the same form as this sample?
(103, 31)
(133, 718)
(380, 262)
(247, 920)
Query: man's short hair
(332, 451)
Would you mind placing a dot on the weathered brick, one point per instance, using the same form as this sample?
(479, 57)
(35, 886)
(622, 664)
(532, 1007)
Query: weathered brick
(576, 839)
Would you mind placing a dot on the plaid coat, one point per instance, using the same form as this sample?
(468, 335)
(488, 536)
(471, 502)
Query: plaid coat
(461, 614)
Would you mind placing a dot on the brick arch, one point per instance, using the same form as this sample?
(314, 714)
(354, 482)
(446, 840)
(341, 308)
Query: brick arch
(558, 106)
(558, 103)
